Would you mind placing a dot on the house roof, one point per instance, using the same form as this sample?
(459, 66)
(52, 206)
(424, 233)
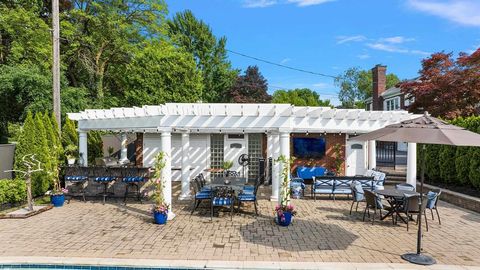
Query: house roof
(231, 117)
(390, 92)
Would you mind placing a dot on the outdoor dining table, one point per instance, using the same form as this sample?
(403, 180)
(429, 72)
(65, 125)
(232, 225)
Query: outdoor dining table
(394, 198)
(236, 183)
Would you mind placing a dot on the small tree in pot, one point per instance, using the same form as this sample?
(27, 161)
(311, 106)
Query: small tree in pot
(160, 208)
(284, 211)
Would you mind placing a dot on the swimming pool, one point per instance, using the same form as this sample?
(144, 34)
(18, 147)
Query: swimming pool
(82, 267)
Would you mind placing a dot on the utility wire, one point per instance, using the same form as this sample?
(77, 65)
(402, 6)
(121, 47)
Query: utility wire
(283, 66)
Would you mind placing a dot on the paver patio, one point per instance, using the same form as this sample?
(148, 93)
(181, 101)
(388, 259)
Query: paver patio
(322, 231)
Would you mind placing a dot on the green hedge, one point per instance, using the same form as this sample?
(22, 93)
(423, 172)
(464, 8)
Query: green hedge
(12, 191)
(451, 164)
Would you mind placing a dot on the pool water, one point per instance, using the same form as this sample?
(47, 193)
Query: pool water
(80, 267)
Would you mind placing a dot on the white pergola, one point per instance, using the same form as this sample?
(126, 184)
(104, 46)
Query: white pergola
(275, 120)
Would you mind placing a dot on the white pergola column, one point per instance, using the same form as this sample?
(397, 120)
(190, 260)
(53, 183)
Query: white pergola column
(166, 147)
(284, 151)
(123, 146)
(275, 153)
(412, 164)
(372, 155)
(83, 147)
(185, 167)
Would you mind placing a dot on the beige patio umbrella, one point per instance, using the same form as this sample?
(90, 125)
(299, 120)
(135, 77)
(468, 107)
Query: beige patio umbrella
(426, 130)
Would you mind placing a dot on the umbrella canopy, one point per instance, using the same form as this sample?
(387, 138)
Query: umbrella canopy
(425, 129)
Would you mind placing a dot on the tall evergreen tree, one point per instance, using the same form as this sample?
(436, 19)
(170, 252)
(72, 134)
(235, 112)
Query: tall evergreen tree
(69, 133)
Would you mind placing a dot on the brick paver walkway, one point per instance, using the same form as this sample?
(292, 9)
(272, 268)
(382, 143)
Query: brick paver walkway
(322, 231)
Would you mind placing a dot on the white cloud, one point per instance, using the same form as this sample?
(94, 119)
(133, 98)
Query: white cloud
(386, 47)
(285, 60)
(305, 3)
(258, 3)
(268, 3)
(464, 12)
(419, 52)
(345, 39)
(363, 56)
(396, 40)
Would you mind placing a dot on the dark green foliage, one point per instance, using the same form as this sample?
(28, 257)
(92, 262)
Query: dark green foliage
(432, 168)
(462, 165)
(12, 191)
(447, 163)
(474, 173)
(95, 146)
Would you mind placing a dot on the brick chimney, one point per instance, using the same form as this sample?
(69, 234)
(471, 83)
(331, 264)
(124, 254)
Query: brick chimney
(379, 85)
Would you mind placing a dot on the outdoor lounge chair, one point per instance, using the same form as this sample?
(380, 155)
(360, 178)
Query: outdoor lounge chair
(222, 196)
(432, 200)
(358, 194)
(199, 194)
(247, 196)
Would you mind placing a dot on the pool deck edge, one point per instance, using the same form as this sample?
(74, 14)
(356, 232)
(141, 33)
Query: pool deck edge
(222, 264)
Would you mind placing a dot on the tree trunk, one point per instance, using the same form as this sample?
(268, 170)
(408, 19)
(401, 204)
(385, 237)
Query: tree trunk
(29, 192)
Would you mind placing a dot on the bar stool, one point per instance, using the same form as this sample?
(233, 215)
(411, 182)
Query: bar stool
(132, 182)
(105, 181)
(78, 181)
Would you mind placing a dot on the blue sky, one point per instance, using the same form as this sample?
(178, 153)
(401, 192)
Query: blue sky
(329, 36)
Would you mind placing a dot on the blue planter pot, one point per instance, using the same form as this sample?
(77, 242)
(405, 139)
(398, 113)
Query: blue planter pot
(286, 221)
(57, 200)
(160, 218)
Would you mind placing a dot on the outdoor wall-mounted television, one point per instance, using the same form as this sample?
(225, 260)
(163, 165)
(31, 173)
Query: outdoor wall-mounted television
(309, 147)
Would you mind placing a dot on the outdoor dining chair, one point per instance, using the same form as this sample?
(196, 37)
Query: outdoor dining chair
(432, 200)
(373, 201)
(199, 194)
(411, 207)
(405, 186)
(222, 196)
(358, 195)
(247, 196)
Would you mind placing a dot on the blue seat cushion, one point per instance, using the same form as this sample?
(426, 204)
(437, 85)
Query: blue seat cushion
(342, 191)
(297, 185)
(246, 197)
(248, 189)
(75, 178)
(203, 195)
(323, 190)
(218, 201)
(310, 172)
(431, 199)
(104, 178)
(133, 179)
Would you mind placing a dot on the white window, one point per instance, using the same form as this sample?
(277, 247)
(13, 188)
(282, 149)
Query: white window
(392, 104)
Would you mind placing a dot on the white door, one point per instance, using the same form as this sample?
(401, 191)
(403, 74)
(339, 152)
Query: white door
(235, 145)
(356, 161)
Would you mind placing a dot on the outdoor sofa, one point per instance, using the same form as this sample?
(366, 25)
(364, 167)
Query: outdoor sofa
(333, 185)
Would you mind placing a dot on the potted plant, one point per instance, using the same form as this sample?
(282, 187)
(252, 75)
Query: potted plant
(160, 208)
(71, 152)
(57, 195)
(227, 165)
(284, 211)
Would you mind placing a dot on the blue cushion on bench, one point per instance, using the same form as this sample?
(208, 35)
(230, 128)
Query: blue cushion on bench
(203, 195)
(246, 197)
(74, 178)
(133, 179)
(104, 178)
(310, 172)
(222, 201)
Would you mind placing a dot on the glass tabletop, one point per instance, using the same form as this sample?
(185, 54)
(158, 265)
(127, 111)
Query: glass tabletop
(393, 192)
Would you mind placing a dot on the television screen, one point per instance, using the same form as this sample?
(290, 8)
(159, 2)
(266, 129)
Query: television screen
(308, 147)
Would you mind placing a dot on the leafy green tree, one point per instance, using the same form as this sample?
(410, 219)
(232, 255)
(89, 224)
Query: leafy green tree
(356, 86)
(299, 97)
(474, 172)
(250, 88)
(103, 34)
(69, 134)
(95, 146)
(432, 167)
(162, 73)
(196, 37)
(462, 164)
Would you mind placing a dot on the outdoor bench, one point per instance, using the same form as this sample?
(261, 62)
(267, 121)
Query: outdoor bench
(333, 185)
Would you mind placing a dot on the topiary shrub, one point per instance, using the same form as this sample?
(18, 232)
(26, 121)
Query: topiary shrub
(432, 167)
(474, 172)
(447, 163)
(12, 191)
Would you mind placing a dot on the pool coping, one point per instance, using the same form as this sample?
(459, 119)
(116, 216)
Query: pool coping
(207, 264)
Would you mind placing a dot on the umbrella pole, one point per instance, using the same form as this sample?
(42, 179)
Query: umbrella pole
(419, 258)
